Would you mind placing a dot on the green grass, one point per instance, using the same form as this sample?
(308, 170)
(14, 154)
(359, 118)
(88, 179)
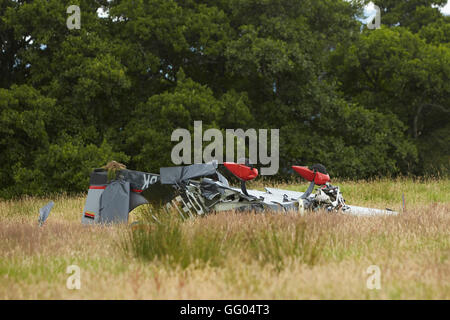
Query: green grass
(166, 241)
(234, 255)
(276, 245)
(178, 244)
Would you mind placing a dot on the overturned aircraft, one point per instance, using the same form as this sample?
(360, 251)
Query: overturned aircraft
(200, 189)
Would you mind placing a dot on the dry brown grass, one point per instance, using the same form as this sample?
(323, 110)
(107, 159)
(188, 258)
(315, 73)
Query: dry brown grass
(261, 257)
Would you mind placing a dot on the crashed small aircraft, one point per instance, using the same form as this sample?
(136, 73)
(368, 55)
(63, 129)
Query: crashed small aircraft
(200, 189)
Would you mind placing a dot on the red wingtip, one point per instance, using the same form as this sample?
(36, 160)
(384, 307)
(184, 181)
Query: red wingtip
(305, 172)
(241, 171)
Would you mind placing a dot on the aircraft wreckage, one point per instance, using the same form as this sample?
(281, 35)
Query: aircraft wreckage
(200, 189)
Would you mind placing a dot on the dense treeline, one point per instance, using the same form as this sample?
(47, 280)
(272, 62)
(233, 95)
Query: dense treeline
(363, 102)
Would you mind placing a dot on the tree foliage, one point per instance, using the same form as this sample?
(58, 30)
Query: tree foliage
(363, 102)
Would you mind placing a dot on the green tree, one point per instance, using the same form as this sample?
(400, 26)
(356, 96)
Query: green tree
(147, 136)
(23, 119)
(396, 72)
(63, 167)
(412, 14)
(360, 101)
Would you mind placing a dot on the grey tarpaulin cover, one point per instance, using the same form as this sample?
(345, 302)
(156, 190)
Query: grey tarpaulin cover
(175, 175)
(115, 202)
(138, 180)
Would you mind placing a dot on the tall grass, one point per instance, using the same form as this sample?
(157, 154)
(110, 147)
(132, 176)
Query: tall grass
(235, 255)
(178, 243)
(276, 245)
(275, 240)
(164, 239)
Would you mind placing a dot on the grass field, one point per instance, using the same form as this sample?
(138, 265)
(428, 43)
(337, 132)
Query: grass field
(236, 256)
